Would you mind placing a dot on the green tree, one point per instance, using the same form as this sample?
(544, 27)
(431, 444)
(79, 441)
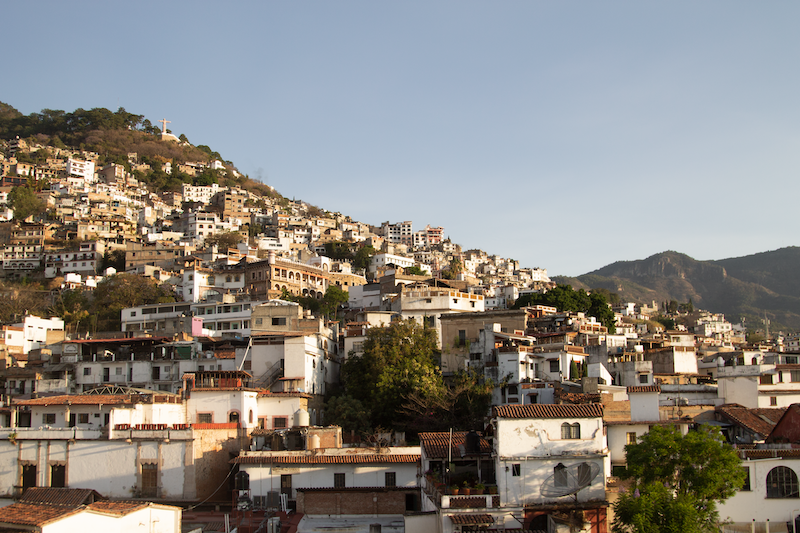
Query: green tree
(349, 413)
(698, 469)
(120, 291)
(333, 299)
(24, 202)
(362, 257)
(655, 509)
(225, 240)
(463, 403)
(414, 271)
(397, 361)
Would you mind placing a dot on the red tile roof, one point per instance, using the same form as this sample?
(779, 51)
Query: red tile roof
(436, 444)
(326, 459)
(34, 514)
(471, 519)
(60, 496)
(80, 399)
(592, 410)
(760, 421)
(117, 507)
(644, 388)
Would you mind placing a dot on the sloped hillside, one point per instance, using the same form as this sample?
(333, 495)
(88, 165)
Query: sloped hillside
(745, 286)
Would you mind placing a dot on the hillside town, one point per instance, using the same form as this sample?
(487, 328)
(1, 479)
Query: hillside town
(212, 402)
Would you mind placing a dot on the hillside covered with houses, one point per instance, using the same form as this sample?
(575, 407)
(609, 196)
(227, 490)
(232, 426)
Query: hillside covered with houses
(170, 325)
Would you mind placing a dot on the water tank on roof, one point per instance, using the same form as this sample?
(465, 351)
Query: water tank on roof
(473, 442)
(301, 418)
(313, 442)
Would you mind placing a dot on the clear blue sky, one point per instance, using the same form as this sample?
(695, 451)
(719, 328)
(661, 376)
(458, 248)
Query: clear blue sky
(567, 135)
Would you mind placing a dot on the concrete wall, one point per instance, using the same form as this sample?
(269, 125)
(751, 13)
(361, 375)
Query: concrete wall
(154, 519)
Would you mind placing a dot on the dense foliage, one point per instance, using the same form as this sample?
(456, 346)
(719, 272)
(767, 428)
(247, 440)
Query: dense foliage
(396, 384)
(677, 475)
(564, 298)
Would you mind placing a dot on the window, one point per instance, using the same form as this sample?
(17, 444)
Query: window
(258, 321)
(643, 378)
(560, 473)
(795, 376)
(390, 479)
(782, 483)
(150, 480)
(338, 481)
(49, 418)
(746, 484)
(87, 371)
(83, 418)
(773, 400)
(156, 372)
(58, 476)
(766, 379)
(515, 469)
(462, 337)
(630, 438)
(205, 418)
(572, 431)
(279, 321)
(280, 422)
(554, 366)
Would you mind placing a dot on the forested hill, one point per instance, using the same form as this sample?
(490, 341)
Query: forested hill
(115, 134)
(739, 287)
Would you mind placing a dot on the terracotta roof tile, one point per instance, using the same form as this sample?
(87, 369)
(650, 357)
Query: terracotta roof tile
(644, 388)
(593, 410)
(80, 399)
(34, 514)
(117, 507)
(760, 421)
(326, 459)
(60, 496)
(436, 444)
(471, 519)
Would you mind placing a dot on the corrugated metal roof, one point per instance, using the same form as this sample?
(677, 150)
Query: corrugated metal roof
(325, 459)
(592, 410)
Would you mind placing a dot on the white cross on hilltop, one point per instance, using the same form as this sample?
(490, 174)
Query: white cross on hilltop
(164, 123)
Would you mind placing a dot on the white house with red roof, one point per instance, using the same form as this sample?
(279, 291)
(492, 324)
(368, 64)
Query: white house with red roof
(552, 461)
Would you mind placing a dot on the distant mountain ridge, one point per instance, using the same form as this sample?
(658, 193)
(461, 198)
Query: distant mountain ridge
(739, 287)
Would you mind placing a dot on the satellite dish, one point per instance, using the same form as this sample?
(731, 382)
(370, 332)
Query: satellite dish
(569, 480)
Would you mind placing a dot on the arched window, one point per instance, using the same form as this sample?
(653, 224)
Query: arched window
(233, 417)
(228, 278)
(570, 431)
(782, 483)
(250, 416)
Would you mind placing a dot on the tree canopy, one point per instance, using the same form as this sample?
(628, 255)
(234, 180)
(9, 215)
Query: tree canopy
(396, 384)
(676, 475)
(564, 298)
(24, 202)
(397, 360)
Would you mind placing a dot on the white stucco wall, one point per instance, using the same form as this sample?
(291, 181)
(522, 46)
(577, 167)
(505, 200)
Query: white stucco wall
(267, 477)
(746, 506)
